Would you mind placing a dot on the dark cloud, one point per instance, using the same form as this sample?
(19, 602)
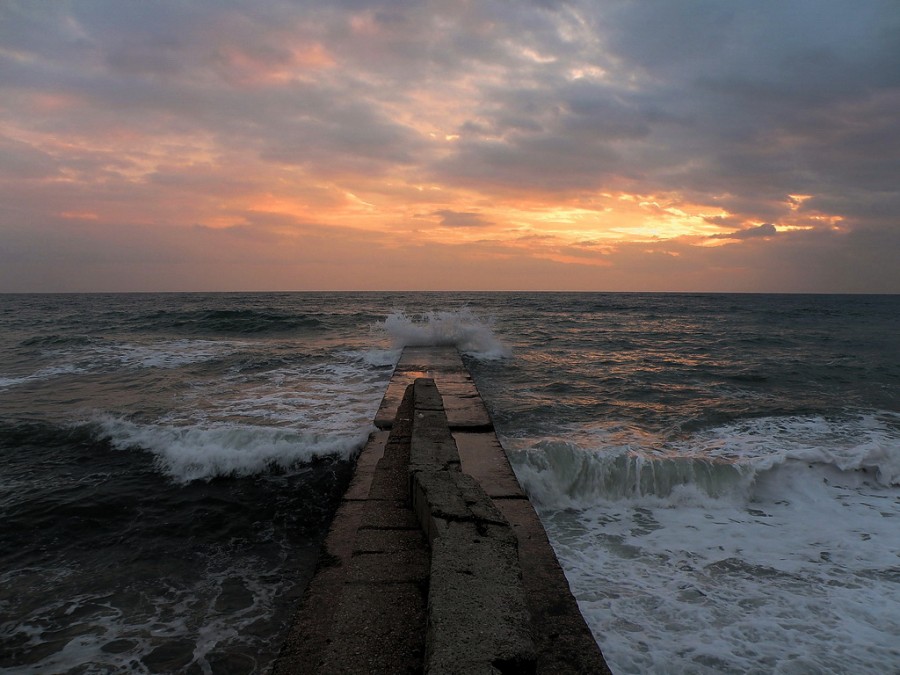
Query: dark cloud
(341, 137)
(24, 162)
(543, 162)
(764, 230)
(451, 218)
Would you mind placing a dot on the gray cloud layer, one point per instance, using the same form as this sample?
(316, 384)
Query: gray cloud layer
(730, 105)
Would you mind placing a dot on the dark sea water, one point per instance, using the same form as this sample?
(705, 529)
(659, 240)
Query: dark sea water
(719, 474)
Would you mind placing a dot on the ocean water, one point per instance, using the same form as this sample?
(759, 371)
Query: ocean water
(719, 474)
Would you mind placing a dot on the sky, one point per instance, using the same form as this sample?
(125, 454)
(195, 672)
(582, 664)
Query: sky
(596, 145)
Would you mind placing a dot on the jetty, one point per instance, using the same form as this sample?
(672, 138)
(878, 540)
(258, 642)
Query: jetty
(436, 562)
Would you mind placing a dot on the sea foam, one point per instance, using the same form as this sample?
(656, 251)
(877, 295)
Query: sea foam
(39, 375)
(762, 545)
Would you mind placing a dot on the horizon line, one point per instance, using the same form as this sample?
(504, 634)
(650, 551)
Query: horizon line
(448, 291)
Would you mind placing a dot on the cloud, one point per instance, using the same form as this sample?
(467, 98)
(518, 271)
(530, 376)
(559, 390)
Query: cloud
(21, 161)
(451, 218)
(496, 118)
(764, 230)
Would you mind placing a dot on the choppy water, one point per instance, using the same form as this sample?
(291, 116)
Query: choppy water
(718, 473)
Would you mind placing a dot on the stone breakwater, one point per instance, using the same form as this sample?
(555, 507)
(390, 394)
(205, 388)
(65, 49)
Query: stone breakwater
(436, 562)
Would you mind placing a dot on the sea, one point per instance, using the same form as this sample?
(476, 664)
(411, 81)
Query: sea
(718, 474)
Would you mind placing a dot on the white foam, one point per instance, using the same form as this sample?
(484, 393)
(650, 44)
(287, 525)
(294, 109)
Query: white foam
(327, 396)
(169, 611)
(190, 453)
(164, 354)
(788, 566)
(461, 329)
(868, 442)
(96, 356)
(47, 373)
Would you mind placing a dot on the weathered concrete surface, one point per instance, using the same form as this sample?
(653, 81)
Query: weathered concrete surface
(463, 405)
(385, 601)
(563, 641)
(482, 457)
(364, 610)
(477, 619)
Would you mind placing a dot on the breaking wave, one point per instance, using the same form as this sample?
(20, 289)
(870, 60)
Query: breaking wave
(727, 462)
(194, 453)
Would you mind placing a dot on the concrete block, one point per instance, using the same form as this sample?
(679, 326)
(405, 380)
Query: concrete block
(482, 457)
(426, 395)
(478, 621)
(451, 496)
(436, 499)
(368, 458)
(430, 359)
(407, 566)
(463, 405)
(431, 444)
(391, 409)
(389, 515)
(481, 508)
(388, 541)
(390, 485)
(564, 642)
(338, 545)
(390, 402)
(375, 632)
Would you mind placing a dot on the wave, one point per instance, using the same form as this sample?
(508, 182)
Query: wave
(164, 355)
(195, 453)
(461, 329)
(56, 341)
(109, 356)
(559, 474)
(734, 462)
(231, 321)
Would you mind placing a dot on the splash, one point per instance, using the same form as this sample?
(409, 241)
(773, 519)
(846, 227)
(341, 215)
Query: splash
(462, 329)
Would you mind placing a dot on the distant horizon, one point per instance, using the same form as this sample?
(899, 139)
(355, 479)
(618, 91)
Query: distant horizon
(741, 147)
(450, 291)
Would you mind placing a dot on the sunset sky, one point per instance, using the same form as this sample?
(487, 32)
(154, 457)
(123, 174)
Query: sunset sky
(689, 145)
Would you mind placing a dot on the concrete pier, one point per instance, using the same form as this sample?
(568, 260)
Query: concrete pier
(436, 562)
